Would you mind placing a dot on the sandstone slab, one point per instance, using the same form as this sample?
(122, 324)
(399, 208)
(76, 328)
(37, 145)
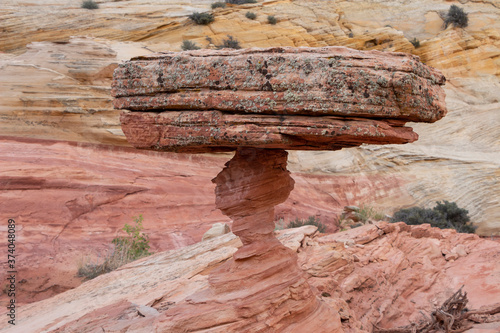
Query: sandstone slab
(335, 81)
(277, 98)
(212, 131)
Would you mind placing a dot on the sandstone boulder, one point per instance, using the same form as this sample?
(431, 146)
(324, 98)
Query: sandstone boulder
(286, 98)
(217, 229)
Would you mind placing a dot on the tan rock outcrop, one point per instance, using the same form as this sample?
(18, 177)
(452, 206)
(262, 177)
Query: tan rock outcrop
(217, 229)
(62, 91)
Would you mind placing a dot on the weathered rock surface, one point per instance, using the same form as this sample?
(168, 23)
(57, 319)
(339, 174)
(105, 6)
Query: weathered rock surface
(382, 274)
(69, 200)
(292, 81)
(277, 296)
(69, 205)
(260, 288)
(456, 159)
(217, 229)
(62, 91)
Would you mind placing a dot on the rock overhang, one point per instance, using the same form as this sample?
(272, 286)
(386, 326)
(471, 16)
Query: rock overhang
(288, 98)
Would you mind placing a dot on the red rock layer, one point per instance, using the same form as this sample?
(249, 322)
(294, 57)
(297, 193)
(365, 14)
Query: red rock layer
(301, 81)
(204, 131)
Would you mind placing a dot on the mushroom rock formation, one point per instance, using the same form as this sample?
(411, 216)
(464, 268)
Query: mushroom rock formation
(260, 102)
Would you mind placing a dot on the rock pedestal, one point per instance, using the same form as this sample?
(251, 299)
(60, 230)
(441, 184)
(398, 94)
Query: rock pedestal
(261, 289)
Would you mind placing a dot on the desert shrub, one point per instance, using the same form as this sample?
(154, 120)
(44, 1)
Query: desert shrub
(229, 43)
(443, 215)
(126, 249)
(366, 213)
(358, 216)
(202, 18)
(90, 4)
(251, 15)
(189, 45)
(456, 217)
(418, 215)
(311, 220)
(218, 5)
(89, 268)
(457, 17)
(415, 42)
(240, 2)
(280, 224)
(272, 20)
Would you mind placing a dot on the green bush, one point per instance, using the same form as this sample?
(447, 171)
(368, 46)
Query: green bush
(202, 18)
(358, 216)
(415, 42)
(136, 243)
(189, 45)
(366, 213)
(240, 2)
(126, 249)
(457, 17)
(311, 220)
(443, 215)
(229, 43)
(272, 20)
(90, 4)
(251, 16)
(218, 5)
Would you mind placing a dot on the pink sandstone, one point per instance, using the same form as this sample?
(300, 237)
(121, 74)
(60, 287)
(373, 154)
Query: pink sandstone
(387, 275)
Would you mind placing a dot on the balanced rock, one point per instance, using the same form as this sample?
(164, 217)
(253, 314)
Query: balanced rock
(260, 102)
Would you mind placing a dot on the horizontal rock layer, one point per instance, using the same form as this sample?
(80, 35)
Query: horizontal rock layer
(305, 81)
(205, 131)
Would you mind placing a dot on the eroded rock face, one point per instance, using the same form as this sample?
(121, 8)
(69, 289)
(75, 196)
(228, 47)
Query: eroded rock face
(212, 131)
(260, 87)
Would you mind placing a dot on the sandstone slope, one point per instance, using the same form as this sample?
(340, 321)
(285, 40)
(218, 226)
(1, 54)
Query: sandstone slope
(70, 200)
(384, 274)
